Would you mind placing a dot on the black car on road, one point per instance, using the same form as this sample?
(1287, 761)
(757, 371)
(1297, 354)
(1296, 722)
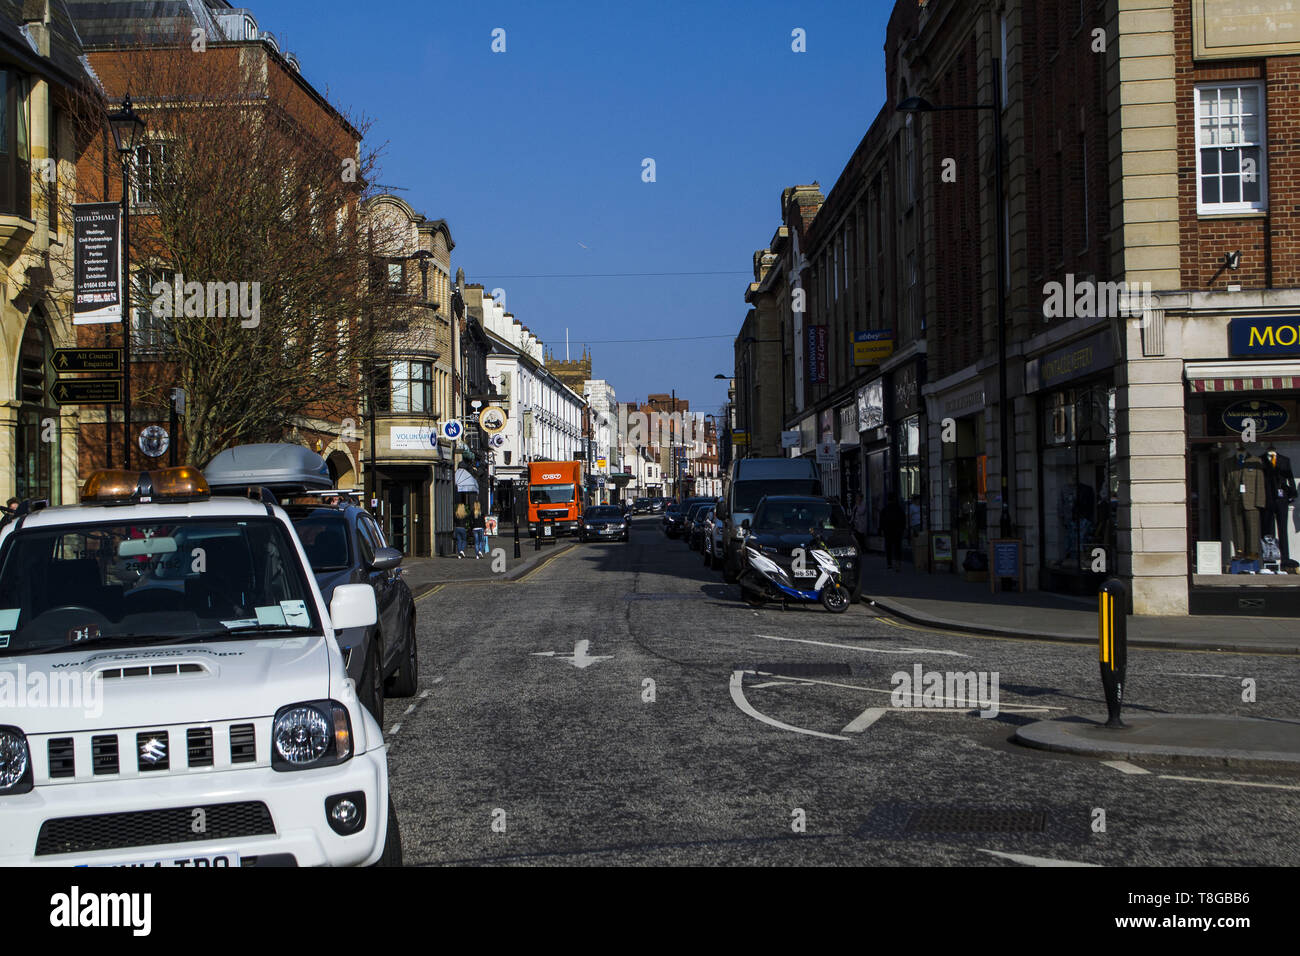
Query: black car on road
(345, 546)
(782, 524)
(605, 523)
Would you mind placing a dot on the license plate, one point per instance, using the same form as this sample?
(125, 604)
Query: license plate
(203, 860)
(610, 531)
(806, 573)
(547, 530)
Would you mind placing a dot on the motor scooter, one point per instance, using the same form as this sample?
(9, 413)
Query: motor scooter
(762, 580)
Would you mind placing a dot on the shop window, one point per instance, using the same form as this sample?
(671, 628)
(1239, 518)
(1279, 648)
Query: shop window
(15, 144)
(37, 442)
(1079, 483)
(1230, 148)
(963, 497)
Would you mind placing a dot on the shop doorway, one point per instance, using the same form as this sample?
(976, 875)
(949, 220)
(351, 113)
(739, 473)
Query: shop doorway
(37, 442)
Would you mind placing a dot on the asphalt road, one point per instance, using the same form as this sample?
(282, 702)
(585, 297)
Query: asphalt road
(770, 738)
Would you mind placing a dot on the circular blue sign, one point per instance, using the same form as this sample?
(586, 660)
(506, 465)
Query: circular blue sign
(452, 430)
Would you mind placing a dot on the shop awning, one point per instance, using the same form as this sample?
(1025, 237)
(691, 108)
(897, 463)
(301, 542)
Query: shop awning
(1243, 376)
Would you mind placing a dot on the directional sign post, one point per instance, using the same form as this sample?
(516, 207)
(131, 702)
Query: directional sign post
(88, 391)
(88, 360)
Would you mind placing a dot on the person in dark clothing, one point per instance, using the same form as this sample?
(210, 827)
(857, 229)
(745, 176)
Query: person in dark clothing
(893, 522)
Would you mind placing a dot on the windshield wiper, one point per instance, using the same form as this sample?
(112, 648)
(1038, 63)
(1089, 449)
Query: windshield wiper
(245, 628)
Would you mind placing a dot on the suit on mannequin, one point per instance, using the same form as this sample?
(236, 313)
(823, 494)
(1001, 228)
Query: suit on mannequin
(1279, 492)
(1244, 494)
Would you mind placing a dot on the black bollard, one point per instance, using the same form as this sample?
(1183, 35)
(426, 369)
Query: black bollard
(516, 537)
(1112, 645)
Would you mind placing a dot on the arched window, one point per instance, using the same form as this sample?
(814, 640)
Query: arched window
(36, 462)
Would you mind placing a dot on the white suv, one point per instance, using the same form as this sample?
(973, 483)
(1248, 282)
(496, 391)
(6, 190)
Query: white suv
(171, 691)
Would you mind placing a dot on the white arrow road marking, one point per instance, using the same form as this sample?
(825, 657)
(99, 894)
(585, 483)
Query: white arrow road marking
(780, 683)
(1123, 766)
(865, 650)
(579, 658)
(738, 696)
(864, 720)
(1034, 860)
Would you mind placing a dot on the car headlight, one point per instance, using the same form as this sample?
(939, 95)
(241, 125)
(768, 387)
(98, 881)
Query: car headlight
(15, 762)
(315, 733)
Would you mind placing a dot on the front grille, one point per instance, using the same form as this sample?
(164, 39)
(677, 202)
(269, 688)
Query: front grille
(115, 831)
(198, 747)
(243, 744)
(103, 752)
(62, 762)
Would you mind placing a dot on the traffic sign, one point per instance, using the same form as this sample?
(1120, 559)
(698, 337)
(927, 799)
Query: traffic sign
(451, 429)
(88, 391)
(88, 360)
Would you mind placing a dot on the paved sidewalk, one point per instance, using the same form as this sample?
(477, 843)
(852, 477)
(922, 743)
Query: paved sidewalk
(950, 602)
(1220, 740)
(423, 574)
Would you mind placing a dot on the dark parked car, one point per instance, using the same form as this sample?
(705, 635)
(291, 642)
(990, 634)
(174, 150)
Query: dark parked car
(641, 506)
(690, 508)
(604, 523)
(700, 526)
(672, 519)
(345, 546)
(783, 523)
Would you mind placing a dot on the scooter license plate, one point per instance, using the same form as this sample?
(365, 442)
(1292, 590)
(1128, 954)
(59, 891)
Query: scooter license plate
(806, 573)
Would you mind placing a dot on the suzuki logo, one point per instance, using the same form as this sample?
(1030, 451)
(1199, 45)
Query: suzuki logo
(153, 750)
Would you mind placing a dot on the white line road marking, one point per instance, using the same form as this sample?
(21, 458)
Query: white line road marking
(1034, 860)
(396, 727)
(1123, 766)
(409, 708)
(1009, 708)
(579, 658)
(865, 650)
(738, 696)
(864, 720)
(781, 683)
(1173, 674)
(1231, 783)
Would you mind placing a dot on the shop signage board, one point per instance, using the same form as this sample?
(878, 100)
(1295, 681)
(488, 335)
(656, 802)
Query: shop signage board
(871, 405)
(1264, 335)
(827, 453)
(1268, 416)
(790, 439)
(1007, 561)
(817, 371)
(97, 263)
(1076, 360)
(872, 346)
(411, 437)
(940, 546)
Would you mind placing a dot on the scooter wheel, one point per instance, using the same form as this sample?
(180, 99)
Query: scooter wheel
(835, 599)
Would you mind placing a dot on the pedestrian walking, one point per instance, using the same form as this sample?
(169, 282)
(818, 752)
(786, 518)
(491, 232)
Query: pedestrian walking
(893, 522)
(479, 525)
(459, 527)
(862, 523)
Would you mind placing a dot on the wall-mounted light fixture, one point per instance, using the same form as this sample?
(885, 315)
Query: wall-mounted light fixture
(1233, 260)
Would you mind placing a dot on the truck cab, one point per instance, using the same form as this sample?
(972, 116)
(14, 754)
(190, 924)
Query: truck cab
(554, 497)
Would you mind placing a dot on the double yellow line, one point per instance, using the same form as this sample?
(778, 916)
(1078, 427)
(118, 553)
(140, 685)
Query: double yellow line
(1106, 628)
(480, 581)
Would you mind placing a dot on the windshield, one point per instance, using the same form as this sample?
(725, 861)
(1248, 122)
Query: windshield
(800, 517)
(604, 511)
(150, 581)
(748, 493)
(550, 494)
(324, 537)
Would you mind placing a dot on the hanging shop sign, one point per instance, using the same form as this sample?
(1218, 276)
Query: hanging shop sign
(97, 263)
(1267, 416)
(1264, 336)
(872, 346)
(871, 405)
(817, 371)
(492, 419)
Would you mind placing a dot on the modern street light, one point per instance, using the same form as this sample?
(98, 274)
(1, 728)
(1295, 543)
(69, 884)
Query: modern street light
(127, 126)
(916, 104)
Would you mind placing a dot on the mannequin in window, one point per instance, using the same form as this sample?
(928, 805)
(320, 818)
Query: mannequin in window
(1244, 494)
(1279, 492)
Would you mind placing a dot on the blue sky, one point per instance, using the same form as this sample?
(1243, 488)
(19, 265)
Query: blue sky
(534, 156)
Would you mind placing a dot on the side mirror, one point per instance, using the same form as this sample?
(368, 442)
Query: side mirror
(386, 559)
(353, 605)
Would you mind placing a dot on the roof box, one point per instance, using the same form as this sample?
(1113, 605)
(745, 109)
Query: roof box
(284, 468)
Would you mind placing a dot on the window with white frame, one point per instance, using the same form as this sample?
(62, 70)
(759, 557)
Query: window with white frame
(1230, 141)
(154, 171)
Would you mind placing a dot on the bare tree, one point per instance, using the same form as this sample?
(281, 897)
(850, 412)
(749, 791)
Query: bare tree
(255, 289)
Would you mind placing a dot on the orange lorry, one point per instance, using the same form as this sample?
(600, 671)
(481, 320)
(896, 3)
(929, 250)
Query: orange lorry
(554, 492)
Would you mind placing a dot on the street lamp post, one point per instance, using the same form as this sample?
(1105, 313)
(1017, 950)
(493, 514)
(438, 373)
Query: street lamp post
(126, 125)
(916, 104)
